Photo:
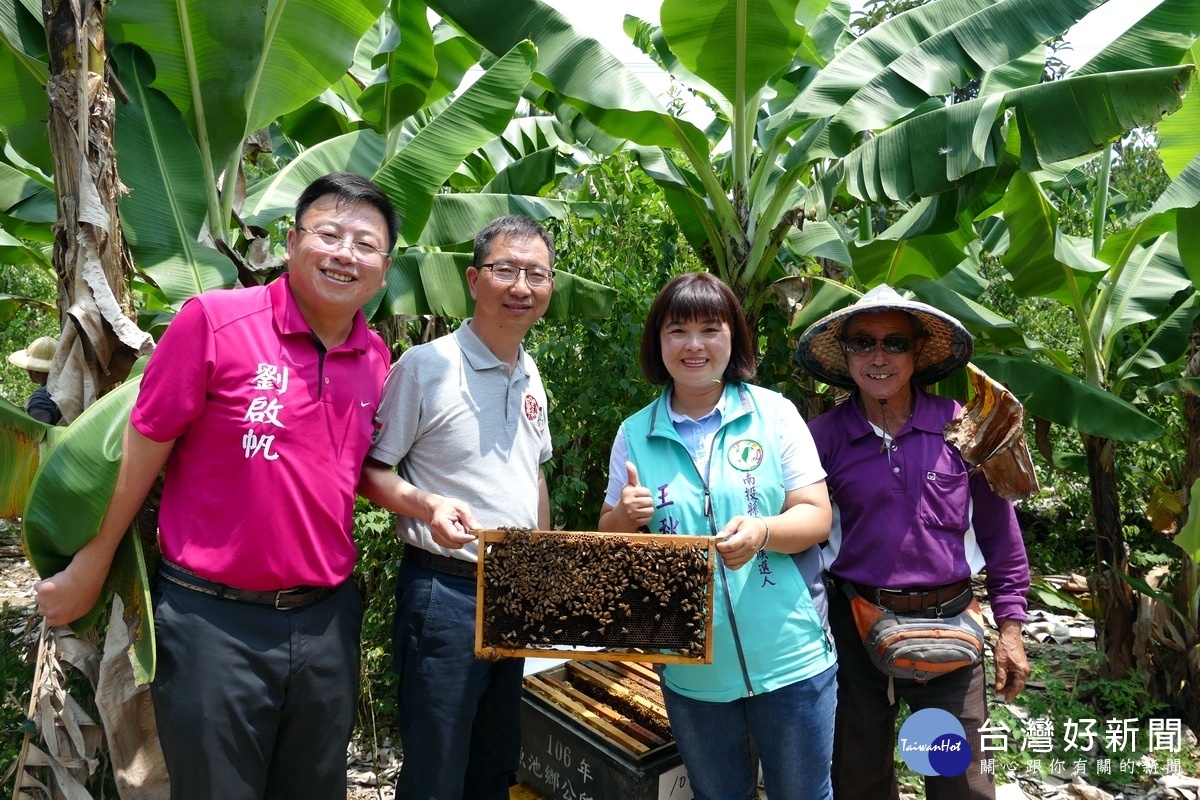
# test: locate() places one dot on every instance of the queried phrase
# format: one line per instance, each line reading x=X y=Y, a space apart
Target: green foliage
x=1064 y=687
x=16 y=681
x=1137 y=180
x=27 y=323
x=590 y=368
x=379 y=551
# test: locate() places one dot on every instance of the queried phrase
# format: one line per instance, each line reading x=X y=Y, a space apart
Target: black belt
x=903 y=600
x=283 y=599
x=439 y=563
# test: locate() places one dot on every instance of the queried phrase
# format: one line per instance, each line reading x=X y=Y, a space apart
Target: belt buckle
x=892 y=595
x=284 y=595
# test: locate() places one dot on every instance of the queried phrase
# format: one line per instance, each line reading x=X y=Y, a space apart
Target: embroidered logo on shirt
x=534 y=412
x=745 y=454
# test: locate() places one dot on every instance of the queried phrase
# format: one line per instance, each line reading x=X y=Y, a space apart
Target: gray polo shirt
x=458 y=424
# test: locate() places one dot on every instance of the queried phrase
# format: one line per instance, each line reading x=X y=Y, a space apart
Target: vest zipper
x=712 y=526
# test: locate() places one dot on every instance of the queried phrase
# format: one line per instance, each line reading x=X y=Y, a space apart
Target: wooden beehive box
x=597 y=596
x=599 y=729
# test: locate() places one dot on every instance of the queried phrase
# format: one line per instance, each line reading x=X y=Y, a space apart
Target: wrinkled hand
x=636 y=506
x=740 y=540
x=68 y=595
x=1012 y=667
x=452 y=522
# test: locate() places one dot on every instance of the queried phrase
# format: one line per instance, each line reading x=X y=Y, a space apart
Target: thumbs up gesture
x=636 y=506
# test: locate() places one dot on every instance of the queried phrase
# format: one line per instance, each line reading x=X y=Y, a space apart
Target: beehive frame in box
x=598 y=596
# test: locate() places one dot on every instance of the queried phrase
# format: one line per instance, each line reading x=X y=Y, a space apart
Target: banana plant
x=25 y=441
x=811 y=121
x=66 y=503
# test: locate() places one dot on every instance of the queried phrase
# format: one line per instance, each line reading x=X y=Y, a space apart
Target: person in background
x=464 y=418
x=35 y=360
x=911 y=525
x=715 y=455
x=261 y=403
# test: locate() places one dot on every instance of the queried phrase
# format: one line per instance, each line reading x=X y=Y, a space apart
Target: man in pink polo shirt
x=260 y=403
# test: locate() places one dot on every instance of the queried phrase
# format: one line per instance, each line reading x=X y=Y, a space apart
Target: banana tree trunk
x=1114 y=598
x=99 y=340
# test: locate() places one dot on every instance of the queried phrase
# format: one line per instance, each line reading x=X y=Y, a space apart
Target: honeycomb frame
x=595 y=596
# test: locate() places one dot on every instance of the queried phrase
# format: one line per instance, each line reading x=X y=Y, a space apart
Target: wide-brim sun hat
x=947 y=349
x=37 y=356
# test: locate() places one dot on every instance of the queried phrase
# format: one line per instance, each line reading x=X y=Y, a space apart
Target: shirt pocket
x=945 y=499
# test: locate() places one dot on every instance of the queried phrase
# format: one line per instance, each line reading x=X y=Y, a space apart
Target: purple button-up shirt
x=916 y=517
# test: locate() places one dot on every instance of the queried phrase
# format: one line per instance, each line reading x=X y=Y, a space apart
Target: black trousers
x=865 y=725
x=253 y=702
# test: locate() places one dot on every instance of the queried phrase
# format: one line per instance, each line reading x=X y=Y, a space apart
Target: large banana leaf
x=1164 y=345
x=22 y=438
x=1179 y=134
x=409 y=71
x=530 y=155
x=1043 y=261
x=428 y=160
x=456 y=218
x=1188 y=538
x=734 y=47
x=231 y=67
x=14 y=252
x=980 y=321
x=435 y=283
x=23 y=74
x=815 y=298
x=67 y=502
x=164 y=215
x=576 y=67
x=1161 y=37
x=1064 y=399
x=275 y=197
x=1145 y=289
x=819 y=239
x=927 y=242
x=897 y=66
x=934 y=151
x=24 y=196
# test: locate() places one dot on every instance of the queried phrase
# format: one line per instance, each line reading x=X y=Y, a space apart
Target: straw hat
x=37 y=356
x=947 y=349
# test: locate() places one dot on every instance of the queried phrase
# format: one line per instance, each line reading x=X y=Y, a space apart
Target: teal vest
x=776 y=635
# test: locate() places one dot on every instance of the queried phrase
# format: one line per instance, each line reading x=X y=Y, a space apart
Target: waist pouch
x=918 y=648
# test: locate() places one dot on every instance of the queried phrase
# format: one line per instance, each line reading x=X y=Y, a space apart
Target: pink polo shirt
x=270 y=437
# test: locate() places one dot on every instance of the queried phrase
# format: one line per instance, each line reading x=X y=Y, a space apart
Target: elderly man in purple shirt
x=911 y=525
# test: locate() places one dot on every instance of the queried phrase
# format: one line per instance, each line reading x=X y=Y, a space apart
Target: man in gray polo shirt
x=464 y=420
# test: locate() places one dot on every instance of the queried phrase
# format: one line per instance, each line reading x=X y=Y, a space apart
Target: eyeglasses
x=327 y=242
x=507 y=273
x=892 y=343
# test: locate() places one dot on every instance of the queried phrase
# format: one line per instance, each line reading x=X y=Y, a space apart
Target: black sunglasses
x=892 y=343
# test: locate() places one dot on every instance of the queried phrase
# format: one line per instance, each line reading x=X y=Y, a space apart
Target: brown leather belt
x=439 y=563
x=283 y=599
x=903 y=600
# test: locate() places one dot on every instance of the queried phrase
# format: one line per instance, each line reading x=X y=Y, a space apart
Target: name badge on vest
x=745 y=455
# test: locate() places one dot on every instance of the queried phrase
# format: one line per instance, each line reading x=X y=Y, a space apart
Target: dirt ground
x=372 y=769
x=16 y=588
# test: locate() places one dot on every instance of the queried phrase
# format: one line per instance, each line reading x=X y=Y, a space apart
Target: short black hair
x=697 y=296
x=349 y=187
x=517 y=226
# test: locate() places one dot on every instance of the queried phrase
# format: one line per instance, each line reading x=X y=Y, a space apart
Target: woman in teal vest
x=717 y=456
